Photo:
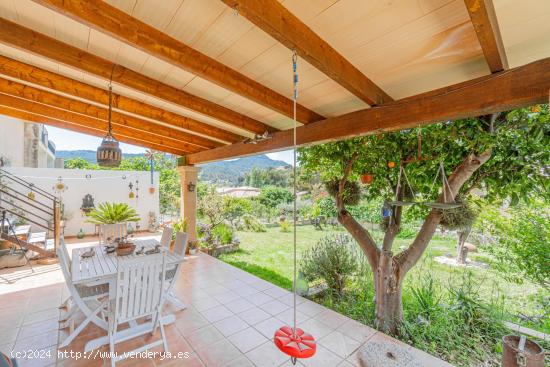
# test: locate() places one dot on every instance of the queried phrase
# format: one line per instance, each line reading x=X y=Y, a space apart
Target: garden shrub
x=250 y=223
x=224 y=232
x=285 y=226
x=330 y=260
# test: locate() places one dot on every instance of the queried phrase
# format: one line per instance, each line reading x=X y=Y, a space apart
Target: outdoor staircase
x=29 y=216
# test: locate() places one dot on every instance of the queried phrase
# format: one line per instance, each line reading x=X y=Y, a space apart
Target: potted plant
x=193 y=247
x=180 y=225
x=111 y=213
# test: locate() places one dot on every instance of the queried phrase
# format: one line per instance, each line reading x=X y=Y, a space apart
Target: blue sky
x=69 y=140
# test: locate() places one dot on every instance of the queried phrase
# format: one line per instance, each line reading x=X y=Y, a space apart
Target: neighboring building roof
x=239 y=192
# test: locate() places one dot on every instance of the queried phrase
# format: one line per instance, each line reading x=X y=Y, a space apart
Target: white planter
x=192 y=251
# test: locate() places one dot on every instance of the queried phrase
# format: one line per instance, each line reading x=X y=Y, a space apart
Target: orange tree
x=504 y=155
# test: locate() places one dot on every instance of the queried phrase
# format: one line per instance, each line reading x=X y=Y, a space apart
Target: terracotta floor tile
x=227 y=297
x=38 y=327
x=254 y=315
x=259 y=298
x=316 y=328
x=276 y=292
x=247 y=339
x=206 y=303
x=268 y=327
x=322 y=358
x=216 y=314
x=204 y=337
x=332 y=318
x=239 y=305
x=287 y=317
x=241 y=361
x=219 y=353
x=37 y=341
x=267 y=355
x=34 y=317
x=230 y=325
x=357 y=331
x=340 y=344
x=274 y=307
x=190 y=320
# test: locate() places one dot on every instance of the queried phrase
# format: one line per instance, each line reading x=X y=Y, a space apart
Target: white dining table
x=102 y=268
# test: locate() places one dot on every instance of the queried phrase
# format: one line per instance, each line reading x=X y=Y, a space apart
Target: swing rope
x=294 y=99
x=291 y=340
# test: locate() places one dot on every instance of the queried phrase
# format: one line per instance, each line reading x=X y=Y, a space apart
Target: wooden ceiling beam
x=105 y=18
x=27 y=116
x=519 y=87
x=60 y=83
x=483 y=16
x=83 y=120
x=274 y=19
x=51 y=99
x=26 y=39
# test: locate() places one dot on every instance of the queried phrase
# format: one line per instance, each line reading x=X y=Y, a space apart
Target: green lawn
x=269 y=255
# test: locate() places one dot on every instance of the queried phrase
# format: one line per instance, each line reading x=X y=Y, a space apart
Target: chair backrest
x=140 y=285
x=166 y=237
x=112 y=231
x=64 y=261
x=180 y=244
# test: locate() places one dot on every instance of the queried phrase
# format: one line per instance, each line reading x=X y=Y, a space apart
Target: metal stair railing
x=46 y=215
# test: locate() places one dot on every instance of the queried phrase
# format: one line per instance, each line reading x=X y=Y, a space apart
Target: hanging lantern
x=109 y=153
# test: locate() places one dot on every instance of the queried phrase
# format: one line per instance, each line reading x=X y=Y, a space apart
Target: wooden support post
x=188 y=210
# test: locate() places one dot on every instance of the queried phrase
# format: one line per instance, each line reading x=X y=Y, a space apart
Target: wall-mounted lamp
x=191 y=186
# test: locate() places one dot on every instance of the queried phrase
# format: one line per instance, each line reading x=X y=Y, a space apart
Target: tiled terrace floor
x=230 y=321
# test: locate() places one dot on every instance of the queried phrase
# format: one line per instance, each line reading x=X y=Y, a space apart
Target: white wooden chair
x=139 y=294
x=112 y=231
x=172 y=275
x=91 y=300
x=166 y=237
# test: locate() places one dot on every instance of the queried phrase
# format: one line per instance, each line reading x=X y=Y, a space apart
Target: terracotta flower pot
x=367 y=178
x=151 y=190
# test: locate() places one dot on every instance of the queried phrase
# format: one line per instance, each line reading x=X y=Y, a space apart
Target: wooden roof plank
x=519 y=87
x=56 y=113
x=274 y=19
x=48 y=79
x=51 y=99
x=483 y=16
x=103 y=17
x=41 y=119
x=26 y=39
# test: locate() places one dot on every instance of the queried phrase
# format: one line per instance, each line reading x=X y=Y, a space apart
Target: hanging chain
x=110 y=106
x=295 y=98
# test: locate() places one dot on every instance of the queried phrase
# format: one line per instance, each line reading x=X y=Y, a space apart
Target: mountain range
x=222 y=173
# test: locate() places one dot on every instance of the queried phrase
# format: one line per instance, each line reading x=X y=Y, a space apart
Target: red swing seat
x=296 y=345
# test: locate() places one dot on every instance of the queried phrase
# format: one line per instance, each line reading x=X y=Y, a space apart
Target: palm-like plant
x=110 y=213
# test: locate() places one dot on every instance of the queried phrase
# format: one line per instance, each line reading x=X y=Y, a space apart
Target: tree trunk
x=461 y=251
x=388 y=286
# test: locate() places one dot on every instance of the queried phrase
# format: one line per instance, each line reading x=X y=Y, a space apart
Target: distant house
x=25 y=144
x=239 y=192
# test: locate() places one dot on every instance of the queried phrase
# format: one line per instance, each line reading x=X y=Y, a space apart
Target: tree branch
x=408 y=258
x=358 y=232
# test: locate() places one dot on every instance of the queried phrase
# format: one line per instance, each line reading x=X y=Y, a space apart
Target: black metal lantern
x=109 y=153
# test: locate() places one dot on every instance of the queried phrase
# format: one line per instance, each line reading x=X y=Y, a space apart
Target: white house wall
x=11 y=141
x=103 y=185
